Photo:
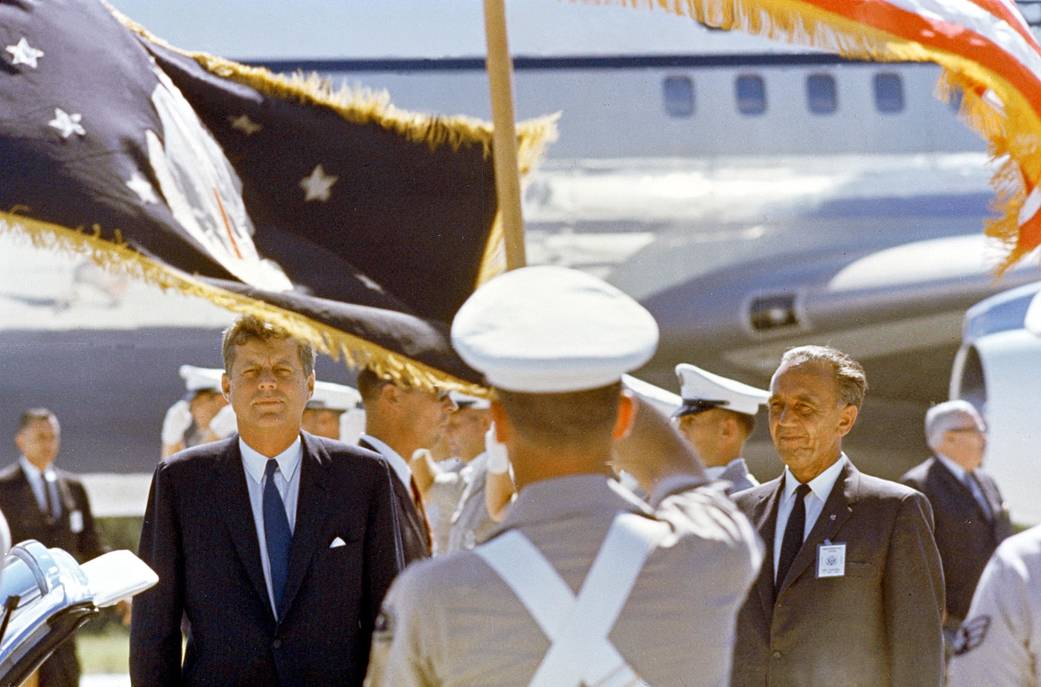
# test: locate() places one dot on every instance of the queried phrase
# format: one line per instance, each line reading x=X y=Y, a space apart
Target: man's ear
x=310 y=385
x=848 y=419
x=627 y=409
x=503 y=427
x=225 y=386
x=728 y=427
x=389 y=393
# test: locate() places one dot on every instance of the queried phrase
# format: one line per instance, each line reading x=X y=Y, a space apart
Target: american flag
x=356 y=225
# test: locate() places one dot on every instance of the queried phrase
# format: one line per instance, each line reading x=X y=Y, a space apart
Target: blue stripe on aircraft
x=521 y=63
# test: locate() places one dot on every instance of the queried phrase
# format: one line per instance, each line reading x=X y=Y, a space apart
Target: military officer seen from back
x=584 y=584
x=971 y=519
x=851 y=592
x=999 y=644
x=717 y=417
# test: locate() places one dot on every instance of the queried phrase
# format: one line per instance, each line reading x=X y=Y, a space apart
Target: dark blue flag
x=355 y=225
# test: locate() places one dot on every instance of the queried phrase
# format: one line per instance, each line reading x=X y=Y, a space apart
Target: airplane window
x=889 y=92
x=821 y=94
x=751 y=94
x=772 y=312
x=679 y=96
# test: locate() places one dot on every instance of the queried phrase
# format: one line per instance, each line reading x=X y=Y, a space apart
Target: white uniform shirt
x=287 y=481
x=999 y=644
x=820 y=489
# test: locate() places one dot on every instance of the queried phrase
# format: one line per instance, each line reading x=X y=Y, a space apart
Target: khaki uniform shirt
x=452 y=621
x=471 y=524
x=442 y=500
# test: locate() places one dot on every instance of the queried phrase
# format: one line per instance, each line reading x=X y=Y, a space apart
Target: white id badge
x=831 y=560
x=76 y=521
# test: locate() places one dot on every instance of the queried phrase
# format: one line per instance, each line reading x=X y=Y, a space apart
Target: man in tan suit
x=851 y=591
x=585 y=584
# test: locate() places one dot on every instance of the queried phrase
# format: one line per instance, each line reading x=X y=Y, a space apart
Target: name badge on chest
x=831 y=560
x=76 y=521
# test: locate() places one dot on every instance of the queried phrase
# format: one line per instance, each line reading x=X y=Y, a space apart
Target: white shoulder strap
x=578 y=628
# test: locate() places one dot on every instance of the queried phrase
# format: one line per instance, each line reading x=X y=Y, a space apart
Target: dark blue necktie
x=276 y=533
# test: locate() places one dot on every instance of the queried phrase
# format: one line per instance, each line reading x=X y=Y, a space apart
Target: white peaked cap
x=702 y=390
x=329 y=396
x=665 y=401
x=545 y=329
x=199 y=378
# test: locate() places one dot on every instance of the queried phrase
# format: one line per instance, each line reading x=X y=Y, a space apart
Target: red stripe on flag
x=1029 y=234
x=943 y=35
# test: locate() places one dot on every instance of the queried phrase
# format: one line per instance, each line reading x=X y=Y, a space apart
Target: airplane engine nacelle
x=998 y=369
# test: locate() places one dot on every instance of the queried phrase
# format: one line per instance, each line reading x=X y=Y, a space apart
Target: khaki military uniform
x=470 y=523
x=441 y=501
x=453 y=621
x=999 y=644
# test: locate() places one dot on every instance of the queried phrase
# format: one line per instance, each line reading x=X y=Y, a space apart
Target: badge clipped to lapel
x=831 y=560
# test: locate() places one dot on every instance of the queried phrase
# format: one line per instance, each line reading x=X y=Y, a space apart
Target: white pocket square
x=337 y=543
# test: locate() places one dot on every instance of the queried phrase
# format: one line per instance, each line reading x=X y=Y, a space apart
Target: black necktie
x=793 y=533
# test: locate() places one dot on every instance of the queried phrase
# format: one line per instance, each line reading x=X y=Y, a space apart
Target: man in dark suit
x=851 y=590
x=399 y=420
x=51 y=506
x=273 y=547
x=971 y=518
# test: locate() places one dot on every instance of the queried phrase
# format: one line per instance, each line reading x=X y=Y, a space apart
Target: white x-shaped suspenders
x=578 y=628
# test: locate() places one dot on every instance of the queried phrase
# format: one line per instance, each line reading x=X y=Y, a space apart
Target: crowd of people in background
x=564 y=533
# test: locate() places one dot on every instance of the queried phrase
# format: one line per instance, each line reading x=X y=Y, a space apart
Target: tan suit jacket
x=879 y=624
x=451 y=621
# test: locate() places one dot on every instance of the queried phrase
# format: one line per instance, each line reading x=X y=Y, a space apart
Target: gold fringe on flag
x=118 y=258
x=1012 y=130
x=363 y=106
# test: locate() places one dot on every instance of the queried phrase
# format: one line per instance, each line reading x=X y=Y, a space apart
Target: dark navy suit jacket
x=199 y=536
x=965 y=536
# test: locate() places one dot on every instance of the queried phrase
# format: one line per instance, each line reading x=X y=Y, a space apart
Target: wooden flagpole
x=507 y=175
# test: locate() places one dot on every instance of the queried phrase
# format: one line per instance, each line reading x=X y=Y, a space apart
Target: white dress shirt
x=37 y=479
x=397 y=463
x=287 y=481
x=820 y=489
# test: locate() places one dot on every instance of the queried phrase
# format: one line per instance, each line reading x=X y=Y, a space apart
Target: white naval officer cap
x=337 y=397
x=702 y=390
x=200 y=378
x=545 y=329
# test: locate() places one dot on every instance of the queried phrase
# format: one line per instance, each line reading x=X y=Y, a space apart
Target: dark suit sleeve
x=155 y=631
x=381 y=559
x=914 y=596
x=89 y=543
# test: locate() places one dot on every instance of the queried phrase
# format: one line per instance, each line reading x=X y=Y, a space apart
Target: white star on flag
x=67 y=124
x=144 y=190
x=317 y=185
x=24 y=53
x=244 y=124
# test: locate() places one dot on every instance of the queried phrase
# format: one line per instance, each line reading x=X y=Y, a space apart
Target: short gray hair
x=848 y=374
x=945 y=416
